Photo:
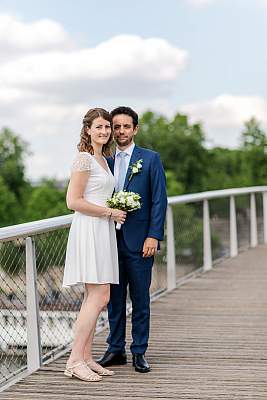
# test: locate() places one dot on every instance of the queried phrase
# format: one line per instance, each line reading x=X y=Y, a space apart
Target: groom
x=138 y=170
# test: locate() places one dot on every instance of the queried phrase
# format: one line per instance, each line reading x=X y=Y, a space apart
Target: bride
x=91 y=257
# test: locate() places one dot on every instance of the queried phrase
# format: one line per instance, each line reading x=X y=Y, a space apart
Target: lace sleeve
x=82 y=162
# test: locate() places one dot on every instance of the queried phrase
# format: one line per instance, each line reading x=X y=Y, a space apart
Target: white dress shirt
x=129 y=152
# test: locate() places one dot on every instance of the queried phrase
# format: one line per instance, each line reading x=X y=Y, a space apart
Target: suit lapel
x=111 y=163
x=136 y=155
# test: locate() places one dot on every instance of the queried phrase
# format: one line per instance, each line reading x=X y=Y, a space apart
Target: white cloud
x=124 y=62
x=228 y=110
x=18 y=37
x=10 y=95
x=47 y=83
x=223 y=117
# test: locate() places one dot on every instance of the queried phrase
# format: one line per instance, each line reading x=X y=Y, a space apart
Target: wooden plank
x=208 y=341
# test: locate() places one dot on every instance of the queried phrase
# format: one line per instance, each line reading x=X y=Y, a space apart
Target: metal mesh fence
x=13 y=332
x=57 y=307
x=159 y=275
x=220 y=228
x=259 y=208
x=188 y=237
x=243 y=221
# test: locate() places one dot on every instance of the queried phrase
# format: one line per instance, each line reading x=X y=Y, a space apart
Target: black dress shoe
x=140 y=363
x=109 y=359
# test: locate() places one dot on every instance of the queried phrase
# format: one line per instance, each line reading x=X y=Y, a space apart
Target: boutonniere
x=136 y=167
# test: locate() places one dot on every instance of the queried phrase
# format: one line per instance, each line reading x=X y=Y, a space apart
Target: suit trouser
x=135 y=271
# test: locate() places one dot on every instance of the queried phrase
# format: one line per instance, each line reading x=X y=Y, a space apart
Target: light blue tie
x=122 y=171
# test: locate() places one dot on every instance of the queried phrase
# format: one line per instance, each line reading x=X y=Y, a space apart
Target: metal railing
x=247 y=224
x=37 y=315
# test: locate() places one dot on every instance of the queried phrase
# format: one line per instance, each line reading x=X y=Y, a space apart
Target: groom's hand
x=150 y=247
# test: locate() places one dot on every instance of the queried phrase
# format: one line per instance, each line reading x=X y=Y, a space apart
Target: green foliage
x=227 y=169
x=51 y=249
x=254 y=147
x=13 y=151
x=180 y=145
x=19 y=200
x=13 y=184
x=12 y=256
x=46 y=201
x=174 y=188
x=193 y=167
x=8 y=210
x=253 y=136
x=188 y=233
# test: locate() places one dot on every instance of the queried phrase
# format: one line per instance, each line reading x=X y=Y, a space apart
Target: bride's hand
x=118 y=216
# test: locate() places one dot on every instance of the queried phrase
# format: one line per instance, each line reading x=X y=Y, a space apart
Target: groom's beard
x=124 y=142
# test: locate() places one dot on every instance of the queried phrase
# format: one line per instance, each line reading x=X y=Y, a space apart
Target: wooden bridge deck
x=208 y=341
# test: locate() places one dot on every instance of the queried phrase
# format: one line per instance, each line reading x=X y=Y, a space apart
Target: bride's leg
x=96 y=297
x=89 y=357
x=88 y=347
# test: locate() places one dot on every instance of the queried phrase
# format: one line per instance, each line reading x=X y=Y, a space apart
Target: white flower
x=136 y=167
x=131 y=202
x=128 y=201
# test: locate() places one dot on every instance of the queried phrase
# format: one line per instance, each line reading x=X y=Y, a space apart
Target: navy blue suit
x=135 y=270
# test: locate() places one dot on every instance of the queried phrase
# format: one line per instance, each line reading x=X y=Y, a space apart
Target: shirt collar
x=128 y=151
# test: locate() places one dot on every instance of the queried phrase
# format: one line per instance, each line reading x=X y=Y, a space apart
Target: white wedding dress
x=91 y=255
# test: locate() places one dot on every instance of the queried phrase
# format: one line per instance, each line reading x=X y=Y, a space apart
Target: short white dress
x=91 y=255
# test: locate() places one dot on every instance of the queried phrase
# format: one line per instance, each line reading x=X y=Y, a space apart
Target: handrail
x=49 y=224
x=35 y=227
x=214 y=194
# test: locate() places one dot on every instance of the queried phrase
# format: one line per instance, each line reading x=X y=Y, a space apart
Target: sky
x=205 y=58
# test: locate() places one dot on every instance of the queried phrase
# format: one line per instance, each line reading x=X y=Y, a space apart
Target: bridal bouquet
x=125 y=201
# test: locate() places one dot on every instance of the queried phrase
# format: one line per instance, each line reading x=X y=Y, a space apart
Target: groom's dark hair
x=126 y=110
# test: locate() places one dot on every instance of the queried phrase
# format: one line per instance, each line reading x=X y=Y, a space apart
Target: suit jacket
x=150 y=183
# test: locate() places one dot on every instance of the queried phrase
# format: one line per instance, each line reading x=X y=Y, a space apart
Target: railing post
x=233 y=228
x=264 y=200
x=207 y=257
x=253 y=221
x=34 y=358
x=171 y=264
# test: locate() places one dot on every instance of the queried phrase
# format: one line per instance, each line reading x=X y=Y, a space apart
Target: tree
x=254 y=146
x=9 y=213
x=227 y=169
x=46 y=201
x=180 y=145
x=174 y=188
x=253 y=136
x=13 y=151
